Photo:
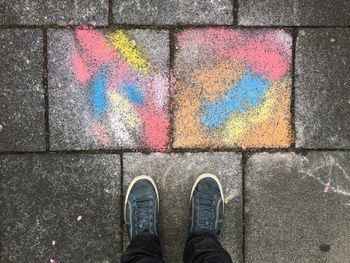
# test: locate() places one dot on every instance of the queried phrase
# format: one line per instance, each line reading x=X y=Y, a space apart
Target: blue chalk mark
x=133 y=93
x=98 y=94
x=241 y=97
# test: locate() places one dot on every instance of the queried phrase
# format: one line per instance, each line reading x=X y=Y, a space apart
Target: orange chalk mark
x=215 y=81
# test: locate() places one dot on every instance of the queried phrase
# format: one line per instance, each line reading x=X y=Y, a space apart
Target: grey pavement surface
x=322 y=87
x=174 y=175
x=61 y=207
x=22 y=111
x=146 y=12
x=59 y=12
x=289 y=214
x=294 y=13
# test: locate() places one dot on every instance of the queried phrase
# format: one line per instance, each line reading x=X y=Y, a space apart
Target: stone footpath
x=95 y=93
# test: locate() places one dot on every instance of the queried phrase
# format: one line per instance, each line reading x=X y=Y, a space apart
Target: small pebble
x=53 y=242
x=79 y=218
x=52 y=261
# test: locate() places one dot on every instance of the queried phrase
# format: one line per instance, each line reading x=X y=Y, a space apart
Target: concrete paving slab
x=39 y=12
x=108 y=90
x=322 y=96
x=22 y=113
x=60 y=207
x=174 y=175
x=232 y=88
x=170 y=12
x=297 y=207
x=294 y=13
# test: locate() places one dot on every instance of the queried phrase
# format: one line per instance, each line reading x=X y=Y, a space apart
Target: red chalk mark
x=326 y=187
x=119 y=73
x=155 y=129
x=100 y=132
x=218 y=39
x=265 y=60
x=266 y=53
x=95 y=45
x=80 y=68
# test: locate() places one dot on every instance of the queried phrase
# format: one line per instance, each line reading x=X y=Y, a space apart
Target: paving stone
x=108 y=89
x=54 y=12
x=294 y=13
x=232 y=88
x=22 y=117
x=291 y=214
x=61 y=207
x=172 y=12
x=174 y=175
x=322 y=102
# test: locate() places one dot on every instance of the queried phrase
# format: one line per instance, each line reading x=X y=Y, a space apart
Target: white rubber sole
x=134 y=181
x=214 y=177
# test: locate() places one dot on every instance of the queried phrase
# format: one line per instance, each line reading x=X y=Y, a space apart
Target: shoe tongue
x=206 y=202
x=142 y=204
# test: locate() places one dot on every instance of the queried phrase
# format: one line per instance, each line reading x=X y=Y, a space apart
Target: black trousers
x=200 y=248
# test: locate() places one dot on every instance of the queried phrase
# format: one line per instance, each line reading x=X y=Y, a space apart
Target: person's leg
x=144 y=248
x=141 y=219
x=207 y=212
x=203 y=247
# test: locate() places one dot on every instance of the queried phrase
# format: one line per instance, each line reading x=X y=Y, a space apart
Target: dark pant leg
x=144 y=248
x=202 y=247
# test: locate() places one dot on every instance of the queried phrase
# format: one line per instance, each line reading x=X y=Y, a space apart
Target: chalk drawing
x=232 y=88
x=336 y=179
x=126 y=96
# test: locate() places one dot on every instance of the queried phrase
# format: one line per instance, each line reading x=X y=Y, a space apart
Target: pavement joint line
x=167 y=27
x=243 y=167
x=292 y=102
x=110 y=12
x=46 y=87
x=235 y=8
x=122 y=198
x=181 y=151
x=172 y=50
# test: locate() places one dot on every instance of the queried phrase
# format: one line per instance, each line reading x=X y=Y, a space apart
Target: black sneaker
x=141 y=207
x=207 y=205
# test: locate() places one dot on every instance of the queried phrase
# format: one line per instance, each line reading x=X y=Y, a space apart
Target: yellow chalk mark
x=129 y=51
x=239 y=124
x=235 y=127
x=274 y=130
x=125 y=108
x=229 y=198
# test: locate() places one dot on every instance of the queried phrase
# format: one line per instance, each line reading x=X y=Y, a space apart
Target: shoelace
x=206 y=212
x=144 y=215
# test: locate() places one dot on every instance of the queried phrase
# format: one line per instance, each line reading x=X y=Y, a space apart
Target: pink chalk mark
x=265 y=60
x=52 y=260
x=215 y=38
x=1 y=127
x=101 y=133
x=265 y=53
x=119 y=74
x=326 y=187
x=80 y=68
x=95 y=45
x=159 y=94
x=155 y=129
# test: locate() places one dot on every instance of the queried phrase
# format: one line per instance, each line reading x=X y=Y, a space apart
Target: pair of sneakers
x=142 y=206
